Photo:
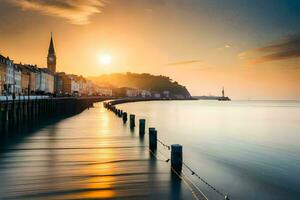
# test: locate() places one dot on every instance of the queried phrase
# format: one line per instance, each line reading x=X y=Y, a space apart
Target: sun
x=105 y=59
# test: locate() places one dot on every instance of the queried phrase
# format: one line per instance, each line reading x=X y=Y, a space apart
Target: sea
x=243 y=149
x=246 y=149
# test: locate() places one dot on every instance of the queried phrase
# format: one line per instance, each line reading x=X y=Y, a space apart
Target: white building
x=82 y=86
x=166 y=94
x=9 y=80
x=104 y=91
x=74 y=86
x=44 y=81
x=156 y=95
x=90 y=87
x=49 y=77
x=144 y=93
x=40 y=81
x=131 y=92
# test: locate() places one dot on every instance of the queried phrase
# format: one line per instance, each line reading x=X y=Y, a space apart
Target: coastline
x=132 y=100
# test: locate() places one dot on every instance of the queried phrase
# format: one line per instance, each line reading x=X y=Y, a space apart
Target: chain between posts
x=164 y=145
x=193 y=173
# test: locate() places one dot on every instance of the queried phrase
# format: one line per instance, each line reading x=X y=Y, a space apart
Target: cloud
x=75 y=11
x=284 y=49
x=224 y=47
x=184 y=62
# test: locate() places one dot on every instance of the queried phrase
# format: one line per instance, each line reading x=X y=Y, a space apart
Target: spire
x=51 y=46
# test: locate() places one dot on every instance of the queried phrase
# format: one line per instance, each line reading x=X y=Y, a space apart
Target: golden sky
x=252 y=48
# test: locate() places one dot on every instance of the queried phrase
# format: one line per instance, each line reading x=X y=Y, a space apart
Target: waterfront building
x=131 y=92
x=144 y=93
x=90 y=87
x=16 y=87
x=33 y=73
x=49 y=80
x=22 y=88
x=82 y=85
x=45 y=81
x=58 y=84
x=9 y=78
x=166 y=94
x=51 y=58
x=2 y=73
x=69 y=84
x=126 y=92
x=40 y=82
x=74 y=84
x=102 y=91
x=156 y=95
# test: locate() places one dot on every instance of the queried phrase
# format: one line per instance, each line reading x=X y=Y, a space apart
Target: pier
x=27 y=112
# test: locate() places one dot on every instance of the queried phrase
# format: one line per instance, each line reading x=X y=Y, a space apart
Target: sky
x=252 y=48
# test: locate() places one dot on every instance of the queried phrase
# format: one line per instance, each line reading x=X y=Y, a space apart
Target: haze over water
x=248 y=149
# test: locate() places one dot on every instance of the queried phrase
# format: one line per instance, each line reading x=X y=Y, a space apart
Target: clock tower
x=51 y=58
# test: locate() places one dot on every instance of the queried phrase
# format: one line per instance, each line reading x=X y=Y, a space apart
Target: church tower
x=51 y=58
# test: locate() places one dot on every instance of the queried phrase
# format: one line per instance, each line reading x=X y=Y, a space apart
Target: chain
x=164 y=145
x=205 y=182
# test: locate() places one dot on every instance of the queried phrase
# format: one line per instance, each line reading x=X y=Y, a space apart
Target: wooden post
x=124 y=117
x=120 y=113
x=176 y=157
x=18 y=113
x=142 y=123
x=36 y=109
x=1 y=119
x=24 y=111
x=33 y=110
x=5 y=119
x=29 y=111
x=132 y=120
x=152 y=139
x=13 y=114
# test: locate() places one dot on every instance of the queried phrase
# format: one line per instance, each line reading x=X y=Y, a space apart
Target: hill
x=141 y=81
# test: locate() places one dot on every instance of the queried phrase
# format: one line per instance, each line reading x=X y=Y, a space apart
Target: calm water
x=248 y=149
x=88 y=156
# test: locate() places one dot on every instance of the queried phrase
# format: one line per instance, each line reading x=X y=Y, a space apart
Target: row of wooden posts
x=176 y=149
x=26 y=113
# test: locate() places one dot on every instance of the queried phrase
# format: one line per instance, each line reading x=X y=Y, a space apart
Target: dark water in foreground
x=249 y=149
x=88 y=156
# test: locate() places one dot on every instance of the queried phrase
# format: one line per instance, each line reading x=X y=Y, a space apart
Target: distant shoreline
x=132 y=100
x=216 y=98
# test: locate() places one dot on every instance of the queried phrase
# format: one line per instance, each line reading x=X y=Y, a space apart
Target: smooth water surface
x=248 y=149
x=92 y=155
